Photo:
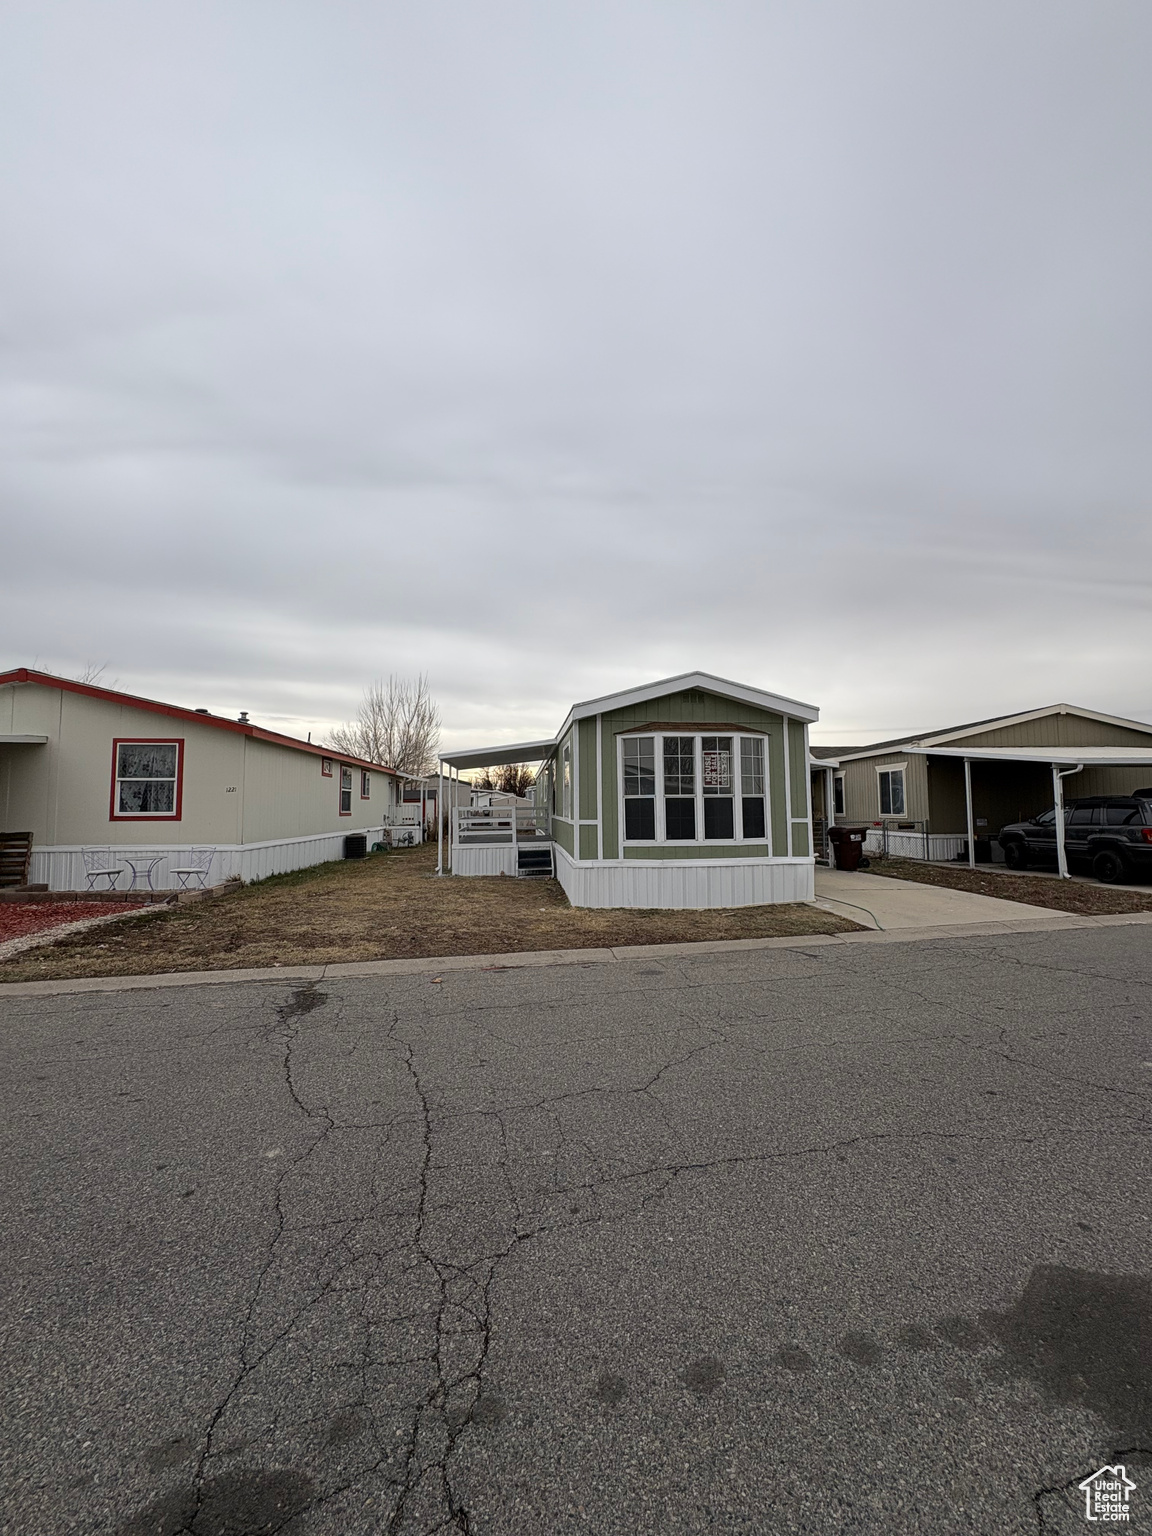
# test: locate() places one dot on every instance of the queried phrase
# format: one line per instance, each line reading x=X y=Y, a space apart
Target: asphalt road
x=855 y=1239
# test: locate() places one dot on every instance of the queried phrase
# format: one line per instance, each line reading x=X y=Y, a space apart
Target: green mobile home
x=688 y=792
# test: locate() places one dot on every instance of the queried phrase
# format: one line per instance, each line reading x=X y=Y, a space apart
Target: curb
x=528 y=959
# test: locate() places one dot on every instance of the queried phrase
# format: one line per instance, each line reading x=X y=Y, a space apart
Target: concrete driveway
x=848 y=1239
x=878 y=902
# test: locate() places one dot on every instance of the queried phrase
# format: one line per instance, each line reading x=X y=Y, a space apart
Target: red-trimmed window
x=147 y=779
x=326 y=767
x=345 y=790
x=365 y=784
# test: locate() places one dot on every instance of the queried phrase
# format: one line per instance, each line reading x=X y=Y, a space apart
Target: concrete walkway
x=878 y=902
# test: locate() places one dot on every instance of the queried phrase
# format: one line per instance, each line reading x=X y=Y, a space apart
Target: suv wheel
x=1109 y=866
x=1015 y=855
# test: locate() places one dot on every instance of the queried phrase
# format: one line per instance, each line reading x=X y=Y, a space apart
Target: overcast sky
x=553 y=348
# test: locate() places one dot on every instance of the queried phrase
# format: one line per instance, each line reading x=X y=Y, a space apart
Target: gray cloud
x=549 y=349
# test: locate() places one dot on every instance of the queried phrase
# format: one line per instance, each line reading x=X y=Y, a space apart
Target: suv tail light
x=1146 y=834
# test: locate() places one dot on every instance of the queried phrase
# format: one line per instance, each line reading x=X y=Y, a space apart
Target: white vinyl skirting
x=684 y=883
x=498 y=859
x=62 y=868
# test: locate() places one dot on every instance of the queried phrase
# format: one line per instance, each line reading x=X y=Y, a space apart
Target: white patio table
x=142 y=867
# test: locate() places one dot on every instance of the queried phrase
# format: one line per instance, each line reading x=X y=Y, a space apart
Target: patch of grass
x=390 y=906
x=1035 y=889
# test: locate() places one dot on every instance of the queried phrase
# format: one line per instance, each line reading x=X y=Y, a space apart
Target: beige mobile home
x=85 y=769
x=942 y=793
x=688 y=792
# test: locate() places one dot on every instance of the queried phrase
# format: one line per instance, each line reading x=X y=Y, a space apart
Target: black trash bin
x=356 y=845
x=847 y=845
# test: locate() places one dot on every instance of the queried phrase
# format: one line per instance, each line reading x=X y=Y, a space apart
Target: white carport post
x=829 y=813
x=968 y=809
x=453 y=780
x=1058 y=777
x=440 y=824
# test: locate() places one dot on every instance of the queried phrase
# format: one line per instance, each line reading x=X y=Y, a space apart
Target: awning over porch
x=490 y=757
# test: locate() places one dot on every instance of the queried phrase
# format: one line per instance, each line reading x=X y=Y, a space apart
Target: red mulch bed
x=18 y=918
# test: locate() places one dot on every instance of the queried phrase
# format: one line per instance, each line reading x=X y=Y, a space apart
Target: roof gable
x=179 y=712
x=1006 y=722
x=705 y=682
x=977 y=730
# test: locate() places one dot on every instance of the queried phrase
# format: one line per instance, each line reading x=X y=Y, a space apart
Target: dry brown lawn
x=390 y=906
x=1043 y=890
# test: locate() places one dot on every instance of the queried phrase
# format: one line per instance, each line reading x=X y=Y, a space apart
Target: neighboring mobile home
x=919 y=793
x=83 y=767
x=688 y=792
x=419 y=797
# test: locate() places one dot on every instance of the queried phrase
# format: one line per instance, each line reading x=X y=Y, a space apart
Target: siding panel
x=587 y=740
x=1057 y=731
x=683 y=884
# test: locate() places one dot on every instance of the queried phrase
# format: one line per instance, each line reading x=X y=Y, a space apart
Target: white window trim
x=902 y=769
x=661 y=840
x=841 y=809
x=566 y=807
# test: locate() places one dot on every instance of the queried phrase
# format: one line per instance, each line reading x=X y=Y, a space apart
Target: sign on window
x=718 y=770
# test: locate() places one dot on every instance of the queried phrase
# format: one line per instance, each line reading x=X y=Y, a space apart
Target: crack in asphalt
x=418 y=1473
x=303 y=1001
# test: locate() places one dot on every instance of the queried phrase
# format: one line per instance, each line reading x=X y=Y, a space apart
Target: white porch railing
x=493 y=826
x=482 y=826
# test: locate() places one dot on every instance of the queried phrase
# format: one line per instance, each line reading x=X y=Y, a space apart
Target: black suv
x=1110 y=833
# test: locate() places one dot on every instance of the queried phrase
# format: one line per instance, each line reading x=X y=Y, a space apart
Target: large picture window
x=891 y=791
x=752 y=785
x=639 y=789
x=693 y=789
x=146 y=780
x=680 y=789
x=716 y=785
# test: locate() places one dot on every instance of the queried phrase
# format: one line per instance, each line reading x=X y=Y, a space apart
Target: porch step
x=534 y=863
x=15 y=857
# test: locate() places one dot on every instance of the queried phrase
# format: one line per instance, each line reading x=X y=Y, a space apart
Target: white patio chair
x=97 y=863
x=199 y=862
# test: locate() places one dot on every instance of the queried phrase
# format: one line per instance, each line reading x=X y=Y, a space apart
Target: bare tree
x=93 y=672
x=515 y=779
x=508 y=779
x=397 y=724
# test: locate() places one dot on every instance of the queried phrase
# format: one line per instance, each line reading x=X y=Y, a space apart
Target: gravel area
x=18 y=919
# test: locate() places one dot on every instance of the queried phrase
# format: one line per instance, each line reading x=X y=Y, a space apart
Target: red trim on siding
x=178 y=712
x=159 y=741
x=326 y=772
